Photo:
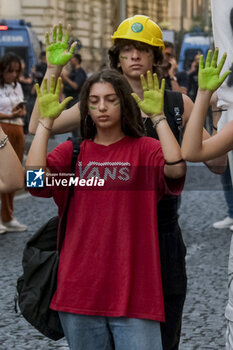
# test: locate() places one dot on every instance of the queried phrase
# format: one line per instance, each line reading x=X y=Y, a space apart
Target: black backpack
x=37 y=285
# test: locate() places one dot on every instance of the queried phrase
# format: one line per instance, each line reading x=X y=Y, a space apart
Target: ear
x=118 y=65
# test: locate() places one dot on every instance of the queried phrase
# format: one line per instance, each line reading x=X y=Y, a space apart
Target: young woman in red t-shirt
x=109 y=292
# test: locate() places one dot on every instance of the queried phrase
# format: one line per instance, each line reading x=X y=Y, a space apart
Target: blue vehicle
x=193 y=43
x=17 y=36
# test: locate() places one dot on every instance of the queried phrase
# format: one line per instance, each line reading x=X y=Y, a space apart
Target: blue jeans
x=228 y=190
x=107 y=333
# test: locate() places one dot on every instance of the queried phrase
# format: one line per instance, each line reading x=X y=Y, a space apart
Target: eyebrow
x=104 y=95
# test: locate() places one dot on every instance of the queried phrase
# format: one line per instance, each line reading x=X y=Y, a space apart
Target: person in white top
x=12 y=112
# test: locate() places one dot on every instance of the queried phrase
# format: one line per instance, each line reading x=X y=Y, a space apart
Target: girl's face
x=11 y=74
x=104 y=106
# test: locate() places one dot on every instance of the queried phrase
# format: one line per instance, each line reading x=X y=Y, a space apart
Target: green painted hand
x=208 y=74
x=48 y=100
x=153 y=95
x=58 y=52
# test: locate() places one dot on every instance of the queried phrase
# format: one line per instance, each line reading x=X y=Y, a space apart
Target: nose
x=102 y=104
x=135 y=54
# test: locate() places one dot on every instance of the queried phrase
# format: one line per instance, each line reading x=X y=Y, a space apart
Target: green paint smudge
x=124 y=57
x=117 y=103
x=91 y=107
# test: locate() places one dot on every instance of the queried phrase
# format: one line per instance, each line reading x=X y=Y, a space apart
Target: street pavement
x=207 y=258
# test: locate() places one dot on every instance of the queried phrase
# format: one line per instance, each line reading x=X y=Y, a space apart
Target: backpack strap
x=175 y=103
x=62 y=222
x=76 y=150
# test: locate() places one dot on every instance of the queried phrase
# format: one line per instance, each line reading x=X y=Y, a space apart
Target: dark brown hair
x=131 y=120
x=5 y=65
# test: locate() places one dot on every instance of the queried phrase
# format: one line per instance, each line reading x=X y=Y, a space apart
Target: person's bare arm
x=194 y=148
x=152 y=105
x=218 y=164
x=11 y=170
x=49 y=109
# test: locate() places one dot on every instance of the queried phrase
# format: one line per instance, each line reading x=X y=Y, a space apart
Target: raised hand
x=153 y=102
x=209 y=74
x=58 y=52
x=48 y=100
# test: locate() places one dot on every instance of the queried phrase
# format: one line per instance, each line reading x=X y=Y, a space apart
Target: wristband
x=158 y=121
x=219 y=110
x=3 y=141
x=176 y=162
x=46 y=127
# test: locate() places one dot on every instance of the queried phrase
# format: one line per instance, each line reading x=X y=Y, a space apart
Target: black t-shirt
x=78 y=76
x=40 y=72
x=193 y=85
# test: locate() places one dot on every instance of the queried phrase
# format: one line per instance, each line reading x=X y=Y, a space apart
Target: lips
x=135 y=66
x=103 y=117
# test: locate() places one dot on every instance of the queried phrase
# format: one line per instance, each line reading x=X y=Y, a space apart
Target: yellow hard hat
x=140 y=28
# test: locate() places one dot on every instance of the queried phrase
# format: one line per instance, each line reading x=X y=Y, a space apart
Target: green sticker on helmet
x=137 y=27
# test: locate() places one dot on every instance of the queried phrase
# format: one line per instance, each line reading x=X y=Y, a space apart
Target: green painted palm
x=58 y=52
x=208 y=74
x=153 y=102
x=48 y=99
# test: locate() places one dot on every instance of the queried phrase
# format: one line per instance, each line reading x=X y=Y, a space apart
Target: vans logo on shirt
x=106 y=170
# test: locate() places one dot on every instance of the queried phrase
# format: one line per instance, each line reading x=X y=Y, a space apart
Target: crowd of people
x=129 y=290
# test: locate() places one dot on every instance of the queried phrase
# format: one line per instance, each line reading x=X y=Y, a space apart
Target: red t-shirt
x=109 y=262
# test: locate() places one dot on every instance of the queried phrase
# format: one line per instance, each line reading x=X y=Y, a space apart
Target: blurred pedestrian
x=40 y=68
x=73 y=80
x=26 y=80
x=226 y=180
x=193 y=77
x=12 y=113
x=175 y=80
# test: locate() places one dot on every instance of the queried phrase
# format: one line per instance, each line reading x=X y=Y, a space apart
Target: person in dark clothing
x=128 y=56
x=26 y=80
x=73 y=81
x=175 y=80
x=41 y=68
x=193 y=77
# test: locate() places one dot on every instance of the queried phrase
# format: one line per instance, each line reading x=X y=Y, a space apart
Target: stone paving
x=207 y=259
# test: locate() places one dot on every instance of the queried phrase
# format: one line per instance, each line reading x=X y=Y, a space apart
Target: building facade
x=94 y=21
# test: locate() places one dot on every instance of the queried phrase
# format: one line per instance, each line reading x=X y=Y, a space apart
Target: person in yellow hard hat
x=137 y=48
